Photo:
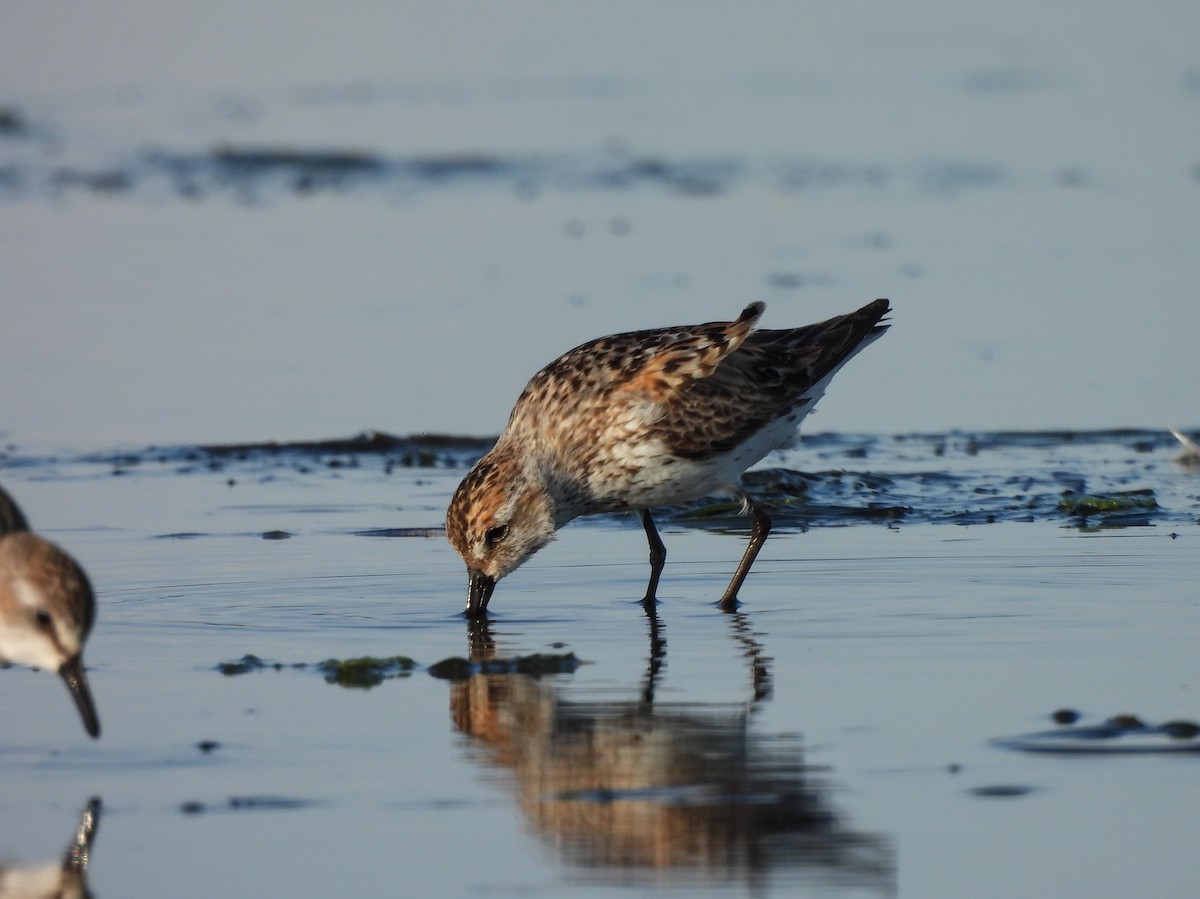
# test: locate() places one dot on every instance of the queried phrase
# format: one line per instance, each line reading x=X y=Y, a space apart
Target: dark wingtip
x=754 y=310
x=874 y=312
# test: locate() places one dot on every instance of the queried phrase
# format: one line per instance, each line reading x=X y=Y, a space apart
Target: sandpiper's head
x=46 y=613
x=500 y=515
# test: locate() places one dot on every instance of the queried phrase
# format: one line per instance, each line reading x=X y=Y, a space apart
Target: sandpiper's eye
x=495 y=534
x=43 y=619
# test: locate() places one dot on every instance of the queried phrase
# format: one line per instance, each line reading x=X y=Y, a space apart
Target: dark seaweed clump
x=413 y=451
x=535 y=665
x=366 y=672
x=244 y=665
x=1123 y=734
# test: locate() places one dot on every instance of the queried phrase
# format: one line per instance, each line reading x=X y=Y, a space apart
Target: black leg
x=760 y=526
x=658 y=558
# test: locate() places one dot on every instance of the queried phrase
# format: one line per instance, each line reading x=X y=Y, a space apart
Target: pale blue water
x=836 y=737
x=233 y=225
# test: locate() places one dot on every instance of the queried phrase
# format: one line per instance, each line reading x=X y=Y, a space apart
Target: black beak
x=72 y=674
x=479 y=591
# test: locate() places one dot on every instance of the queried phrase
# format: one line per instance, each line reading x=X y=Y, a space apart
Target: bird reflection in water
x=63 y=879
x=640 y=789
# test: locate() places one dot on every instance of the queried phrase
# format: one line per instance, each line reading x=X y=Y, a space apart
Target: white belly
x=644 y=475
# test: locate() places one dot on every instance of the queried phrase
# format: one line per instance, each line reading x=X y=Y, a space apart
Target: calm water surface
x=833 y=738
x=282 y=220
x=317 y=220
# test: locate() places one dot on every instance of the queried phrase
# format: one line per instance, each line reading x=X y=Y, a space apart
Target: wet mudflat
x=876 y=719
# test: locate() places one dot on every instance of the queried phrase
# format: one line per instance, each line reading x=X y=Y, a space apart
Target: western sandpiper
x=644 y=419
x=46 y=608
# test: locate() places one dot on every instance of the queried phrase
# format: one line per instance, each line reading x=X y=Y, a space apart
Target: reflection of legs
x=760 y=663
x=658 y=655
x=480 y=645
x=760 y=526
x=658 y=557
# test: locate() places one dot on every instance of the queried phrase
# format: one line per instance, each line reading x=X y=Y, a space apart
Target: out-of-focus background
x=234 y=221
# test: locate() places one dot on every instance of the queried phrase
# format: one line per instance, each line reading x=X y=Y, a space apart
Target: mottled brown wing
x=765 y=379
x=659 y=363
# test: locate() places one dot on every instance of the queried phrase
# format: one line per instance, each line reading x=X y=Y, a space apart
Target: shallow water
x=836 y=736
x=244 y=222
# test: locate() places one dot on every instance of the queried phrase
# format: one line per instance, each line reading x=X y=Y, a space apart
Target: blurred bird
x=46 y=608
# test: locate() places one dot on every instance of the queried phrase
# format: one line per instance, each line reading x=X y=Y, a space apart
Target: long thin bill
x=479 y=591
x=72 y=674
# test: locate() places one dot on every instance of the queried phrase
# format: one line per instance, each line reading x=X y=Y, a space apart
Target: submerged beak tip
x=479 y=592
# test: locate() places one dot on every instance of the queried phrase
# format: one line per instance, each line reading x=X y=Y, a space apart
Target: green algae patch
x=365 y=672
x=1122 y=502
